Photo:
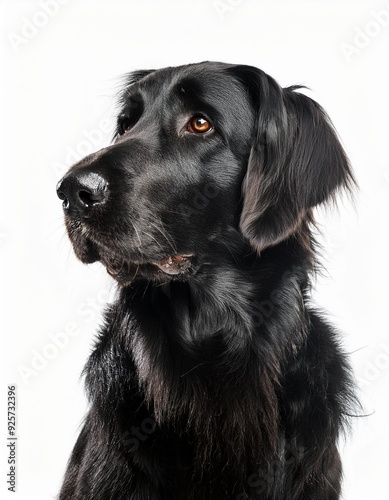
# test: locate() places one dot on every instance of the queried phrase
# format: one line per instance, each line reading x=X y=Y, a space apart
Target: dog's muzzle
x=83 y=195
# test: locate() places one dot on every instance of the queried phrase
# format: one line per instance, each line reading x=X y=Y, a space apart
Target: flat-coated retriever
x=213 y=377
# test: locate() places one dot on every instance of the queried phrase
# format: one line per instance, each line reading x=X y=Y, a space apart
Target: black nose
x=81 y=192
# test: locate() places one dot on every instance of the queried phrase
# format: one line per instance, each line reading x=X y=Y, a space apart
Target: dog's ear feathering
x=296 y=161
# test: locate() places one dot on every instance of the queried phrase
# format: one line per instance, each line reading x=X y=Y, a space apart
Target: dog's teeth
x=174 y=264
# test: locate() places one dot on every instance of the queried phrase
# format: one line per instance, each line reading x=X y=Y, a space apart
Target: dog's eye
x=199 y=125
x=124 y=125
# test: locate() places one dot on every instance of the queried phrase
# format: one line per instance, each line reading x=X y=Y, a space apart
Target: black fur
x=212 y=378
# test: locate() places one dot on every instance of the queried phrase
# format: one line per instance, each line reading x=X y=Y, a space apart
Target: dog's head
x=201 y=152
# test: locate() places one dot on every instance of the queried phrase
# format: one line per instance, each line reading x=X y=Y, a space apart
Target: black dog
x=212 y=378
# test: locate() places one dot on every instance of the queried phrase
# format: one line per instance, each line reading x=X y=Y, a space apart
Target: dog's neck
x=174 y=340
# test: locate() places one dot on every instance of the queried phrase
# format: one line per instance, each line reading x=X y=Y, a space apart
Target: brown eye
x=124 y=125
x=199 y=125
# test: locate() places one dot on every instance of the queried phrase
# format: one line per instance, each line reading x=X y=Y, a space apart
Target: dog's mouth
x=124 y=272
x=174 y=264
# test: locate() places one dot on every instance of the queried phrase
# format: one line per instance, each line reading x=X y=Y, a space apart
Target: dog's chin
x=125 y=271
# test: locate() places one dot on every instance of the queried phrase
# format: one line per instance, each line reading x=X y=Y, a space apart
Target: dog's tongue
x=174 y=264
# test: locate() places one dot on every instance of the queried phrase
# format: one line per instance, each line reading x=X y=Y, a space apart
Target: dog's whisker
x=166 y=236
x=137 y=235
x=152 y=237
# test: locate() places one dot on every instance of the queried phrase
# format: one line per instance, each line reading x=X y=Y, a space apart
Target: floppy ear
x=296 y=161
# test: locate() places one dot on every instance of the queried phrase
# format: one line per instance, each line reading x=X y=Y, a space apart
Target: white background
x=59 y=76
